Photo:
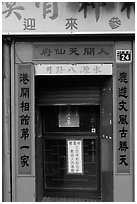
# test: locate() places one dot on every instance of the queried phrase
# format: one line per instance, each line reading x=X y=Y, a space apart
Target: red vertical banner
x=123 y=118
x=24 y=87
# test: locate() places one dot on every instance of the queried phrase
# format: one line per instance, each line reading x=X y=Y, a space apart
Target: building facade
x=68 y=101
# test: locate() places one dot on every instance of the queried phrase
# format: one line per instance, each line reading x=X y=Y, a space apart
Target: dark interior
x=69 y=109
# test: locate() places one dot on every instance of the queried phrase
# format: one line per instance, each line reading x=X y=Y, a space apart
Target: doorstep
x=57 y=199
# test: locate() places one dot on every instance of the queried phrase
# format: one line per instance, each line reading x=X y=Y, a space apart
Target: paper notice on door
x=74 y=157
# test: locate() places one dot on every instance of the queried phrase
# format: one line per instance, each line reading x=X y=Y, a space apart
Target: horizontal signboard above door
x=97 y=51
x=73 y=69
x=68 y=17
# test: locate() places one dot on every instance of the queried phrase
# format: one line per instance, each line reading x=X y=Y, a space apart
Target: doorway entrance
x=68 y=146
x=71 y=150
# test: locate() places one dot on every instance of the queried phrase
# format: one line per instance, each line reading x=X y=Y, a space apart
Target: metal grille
x=55 y=164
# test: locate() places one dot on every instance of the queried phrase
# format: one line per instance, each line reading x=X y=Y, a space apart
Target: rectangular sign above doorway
x=97 y=51
x=73 y=69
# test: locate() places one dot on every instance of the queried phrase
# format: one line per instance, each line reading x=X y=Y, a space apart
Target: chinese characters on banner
x=51 y=51
x=24 y=118
x=68 y=117
x=73 y=69
x=123 y=120
x=74 y=154
x=60 y=17
x=71 y=23
x=49 y=10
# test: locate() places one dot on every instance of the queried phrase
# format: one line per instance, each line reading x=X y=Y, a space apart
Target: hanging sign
x=73 y=69
x=74 y=157
x=123 y=119
x=24 y=118
x=68 y=116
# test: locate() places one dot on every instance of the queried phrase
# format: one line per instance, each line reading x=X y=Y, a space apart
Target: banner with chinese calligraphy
x=24 y=116
x=123 y=119
x=73 y=51
x=67 y=17
x=73 y=69
x=68 y=116
x=74 y=157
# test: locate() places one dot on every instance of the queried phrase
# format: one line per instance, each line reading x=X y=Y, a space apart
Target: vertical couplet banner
x=123 y=118
x=23 y=108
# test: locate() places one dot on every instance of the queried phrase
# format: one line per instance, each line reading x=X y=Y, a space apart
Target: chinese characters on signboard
x=24 y=119
x=73 y=69
x=51 y=51
x=123 y=121
x=74 y=154
x=71 y=23
x=49 y=10
x=68 y=117
x=58 y=17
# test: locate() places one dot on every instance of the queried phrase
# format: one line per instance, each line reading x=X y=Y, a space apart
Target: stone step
x=63 y=199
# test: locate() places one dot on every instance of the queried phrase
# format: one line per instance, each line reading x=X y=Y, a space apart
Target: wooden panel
x=24 y=87
x=39 y=158
x=123 y=119
x=6 y=123
x=106 y=141
x=25 y=179
x=65 y=52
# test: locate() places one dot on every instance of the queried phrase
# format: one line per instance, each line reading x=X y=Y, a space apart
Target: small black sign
x=123 y=56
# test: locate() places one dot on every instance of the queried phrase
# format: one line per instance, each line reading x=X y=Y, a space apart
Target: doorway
x=68 y=142
x=70 y=132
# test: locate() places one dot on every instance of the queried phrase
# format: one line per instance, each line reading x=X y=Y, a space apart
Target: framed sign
x=123 y=56
x=73 y=69
x=123 y=119
x=73 y=51
x=24 y=118
x=68 y=117
x=74 y=157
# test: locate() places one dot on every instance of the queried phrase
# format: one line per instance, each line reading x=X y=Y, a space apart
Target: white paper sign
x=74 y=148
x=73 y=69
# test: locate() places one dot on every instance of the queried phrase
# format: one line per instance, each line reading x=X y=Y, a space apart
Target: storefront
x=68 y=101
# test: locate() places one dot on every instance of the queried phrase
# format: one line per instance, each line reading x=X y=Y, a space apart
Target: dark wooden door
x=58 y=181
x=39 y=157
x=106 y=124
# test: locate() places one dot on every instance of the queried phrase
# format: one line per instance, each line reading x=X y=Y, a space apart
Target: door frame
x=101 y=181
